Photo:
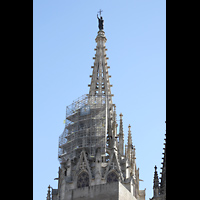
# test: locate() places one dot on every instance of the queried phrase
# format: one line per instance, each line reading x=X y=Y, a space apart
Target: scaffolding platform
x=85 y=127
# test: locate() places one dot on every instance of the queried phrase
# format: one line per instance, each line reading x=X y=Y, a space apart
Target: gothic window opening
x=112 y=177
x=83 y=180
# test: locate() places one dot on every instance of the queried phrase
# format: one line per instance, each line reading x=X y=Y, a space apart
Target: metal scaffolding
x=85 y=127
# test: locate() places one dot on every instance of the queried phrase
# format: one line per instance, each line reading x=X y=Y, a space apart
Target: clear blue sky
x=63 y=46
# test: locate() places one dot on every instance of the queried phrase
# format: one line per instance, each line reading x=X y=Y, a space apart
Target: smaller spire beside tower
x=155 y=182
x=129 y=143
x=129 y=135
x=49 y=193
x=121 y=136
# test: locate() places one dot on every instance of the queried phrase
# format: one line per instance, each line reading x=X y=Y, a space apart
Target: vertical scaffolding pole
x=106 y=121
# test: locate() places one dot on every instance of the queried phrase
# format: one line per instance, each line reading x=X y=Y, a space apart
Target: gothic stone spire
x=88 y=150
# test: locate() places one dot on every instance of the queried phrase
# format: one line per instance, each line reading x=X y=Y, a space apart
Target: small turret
x=133 y=163
x=129 y=143
x=49 y=193
x=155 y=183
x=121 y=136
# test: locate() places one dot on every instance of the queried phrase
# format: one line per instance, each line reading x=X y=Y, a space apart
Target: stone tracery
x=83 y=180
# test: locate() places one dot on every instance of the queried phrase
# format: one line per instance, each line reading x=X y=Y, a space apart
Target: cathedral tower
x=93 y=163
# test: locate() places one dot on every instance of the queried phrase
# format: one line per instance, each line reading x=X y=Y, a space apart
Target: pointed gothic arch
x=112 y=177
x=83 y=179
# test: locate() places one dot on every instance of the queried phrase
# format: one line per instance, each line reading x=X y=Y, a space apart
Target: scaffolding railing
x=85 y=127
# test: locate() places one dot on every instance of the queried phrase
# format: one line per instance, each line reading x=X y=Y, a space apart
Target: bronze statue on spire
x=100 y=20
